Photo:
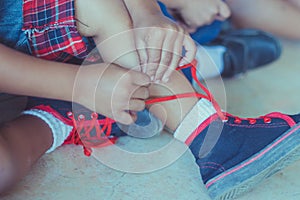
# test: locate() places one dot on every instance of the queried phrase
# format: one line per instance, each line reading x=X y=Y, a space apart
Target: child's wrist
x=86 y=83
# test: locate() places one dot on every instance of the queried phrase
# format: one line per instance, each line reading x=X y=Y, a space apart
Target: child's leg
x=276 y=16
x=22 y=142
x=178 y=84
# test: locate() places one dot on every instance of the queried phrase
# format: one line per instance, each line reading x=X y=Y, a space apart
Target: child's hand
x=158 y=40
x=111 y=91
x=159 y=43
x=195 y=13
x=156 y=51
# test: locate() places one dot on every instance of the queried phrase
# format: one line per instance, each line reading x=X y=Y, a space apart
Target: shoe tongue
x=198 y=114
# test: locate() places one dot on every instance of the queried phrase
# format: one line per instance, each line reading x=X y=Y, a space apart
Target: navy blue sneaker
x=247 y=49
x=89 y=129
x=234 y=154
x=245 y=151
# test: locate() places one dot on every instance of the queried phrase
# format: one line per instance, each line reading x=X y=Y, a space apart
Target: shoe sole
x=239 y=63
x=245 y=176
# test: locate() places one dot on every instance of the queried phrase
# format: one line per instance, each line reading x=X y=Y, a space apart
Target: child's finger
x=154 y=43
x=177 y=53
x=154 y=57
x=149 y=59
x=133 y=115
x=166 y=58
x=167 y=54
x=190 y=50
x=186 y=28
x=224 y=10
x=143 y=56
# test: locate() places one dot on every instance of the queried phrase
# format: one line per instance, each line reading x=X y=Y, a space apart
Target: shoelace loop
x=81 y=133
x=207 y=95
x=223 y=115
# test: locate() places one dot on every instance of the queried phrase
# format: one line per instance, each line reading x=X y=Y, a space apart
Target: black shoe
x=247 y=49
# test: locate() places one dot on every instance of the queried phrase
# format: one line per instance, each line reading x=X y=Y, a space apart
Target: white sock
x=210 y=61
x=198 y=114
x=60 y=131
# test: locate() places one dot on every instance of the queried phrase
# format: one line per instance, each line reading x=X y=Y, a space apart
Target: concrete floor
x=68 y=174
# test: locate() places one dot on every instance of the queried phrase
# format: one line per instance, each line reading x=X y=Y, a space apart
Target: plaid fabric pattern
x=51 y=29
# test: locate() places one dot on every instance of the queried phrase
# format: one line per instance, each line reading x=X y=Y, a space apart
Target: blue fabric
x=208 y=33
x=204 y=34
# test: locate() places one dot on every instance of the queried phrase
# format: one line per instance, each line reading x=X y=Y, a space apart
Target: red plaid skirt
x=51 y=29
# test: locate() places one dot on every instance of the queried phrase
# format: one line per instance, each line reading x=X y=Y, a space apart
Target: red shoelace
x=207 y=95
x=81 y=133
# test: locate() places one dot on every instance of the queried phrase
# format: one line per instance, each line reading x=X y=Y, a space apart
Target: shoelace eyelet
x=238 y=121
x=267 y=120
x=69 y=114
x=81 y=117
x=252 y=121
x=94 y=115
x=225 y=119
